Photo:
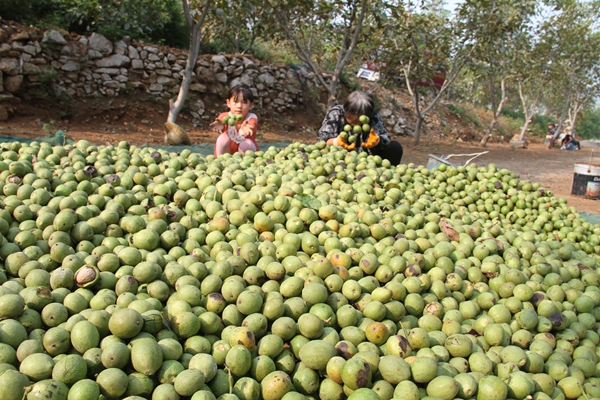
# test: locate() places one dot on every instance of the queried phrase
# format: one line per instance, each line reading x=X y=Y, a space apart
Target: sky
x=451 y=4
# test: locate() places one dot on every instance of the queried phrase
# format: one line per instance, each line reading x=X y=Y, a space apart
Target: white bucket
x=593 y=190
x=586 y=180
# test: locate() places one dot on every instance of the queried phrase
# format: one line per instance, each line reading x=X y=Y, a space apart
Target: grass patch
x=466 y=113
x=509 y=126
x=509 y=122
x=350 y=81
x=270 y=52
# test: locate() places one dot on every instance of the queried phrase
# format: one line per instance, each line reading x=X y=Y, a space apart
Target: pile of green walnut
x=351 y=131
x=304 y=273
x=231 y=120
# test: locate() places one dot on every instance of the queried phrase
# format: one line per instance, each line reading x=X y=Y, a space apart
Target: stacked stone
x=36 y=64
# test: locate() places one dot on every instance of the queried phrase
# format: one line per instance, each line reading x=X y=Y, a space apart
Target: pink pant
x=225 y=145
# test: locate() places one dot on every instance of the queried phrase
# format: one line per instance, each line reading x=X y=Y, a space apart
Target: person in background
x=550 y=135
x=375 y=142
x=570 y=143
x=241 y=136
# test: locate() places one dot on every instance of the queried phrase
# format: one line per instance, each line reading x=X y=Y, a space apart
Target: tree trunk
x=249 y=46
x=420 y=116
x=493 y=92
x=529 y=111
x=194 y=26
x=579 y=103
x=177 y=105
x=237 y=43
x=332 y=91
x=490 y=128
x=573 y=125
x=418 y=126
x=573 y=115
x=492 y=125
x=563 y=114
x=344 y=55
x=414 y=93
x=524 y=128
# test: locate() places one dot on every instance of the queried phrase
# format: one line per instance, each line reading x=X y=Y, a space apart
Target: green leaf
x=309 y=201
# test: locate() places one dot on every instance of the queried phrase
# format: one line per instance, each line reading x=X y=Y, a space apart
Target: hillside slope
x=141 y=117
x=135 y=106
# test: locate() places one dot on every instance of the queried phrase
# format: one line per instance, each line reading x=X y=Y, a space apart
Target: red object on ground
x=437 y=81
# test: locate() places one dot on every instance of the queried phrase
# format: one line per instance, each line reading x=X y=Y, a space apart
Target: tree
x=585 y=86
x=588 y=126
x=317 y=28
x=140 y=19
x=194 y=18
x=423 y=46
x=156 y=21
x=538 y=50
x=240 y=22
x=576 y=70
x=29 y=12
x=497 y=26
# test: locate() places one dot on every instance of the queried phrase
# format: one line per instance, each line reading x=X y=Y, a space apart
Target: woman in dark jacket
x=376 y=142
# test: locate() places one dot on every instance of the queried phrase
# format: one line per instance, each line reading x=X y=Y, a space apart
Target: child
x=358 y=104
x=241 y=136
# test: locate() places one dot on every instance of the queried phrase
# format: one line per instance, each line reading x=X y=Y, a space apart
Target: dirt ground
x=140 y=123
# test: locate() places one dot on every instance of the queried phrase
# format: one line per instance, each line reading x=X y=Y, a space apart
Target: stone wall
x=36 y=64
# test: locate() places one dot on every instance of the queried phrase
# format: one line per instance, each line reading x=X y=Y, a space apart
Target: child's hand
x=217 y=126
x=246 y=129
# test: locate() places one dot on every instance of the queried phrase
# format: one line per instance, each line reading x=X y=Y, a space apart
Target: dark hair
x=359 y=103
x=242 y=90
